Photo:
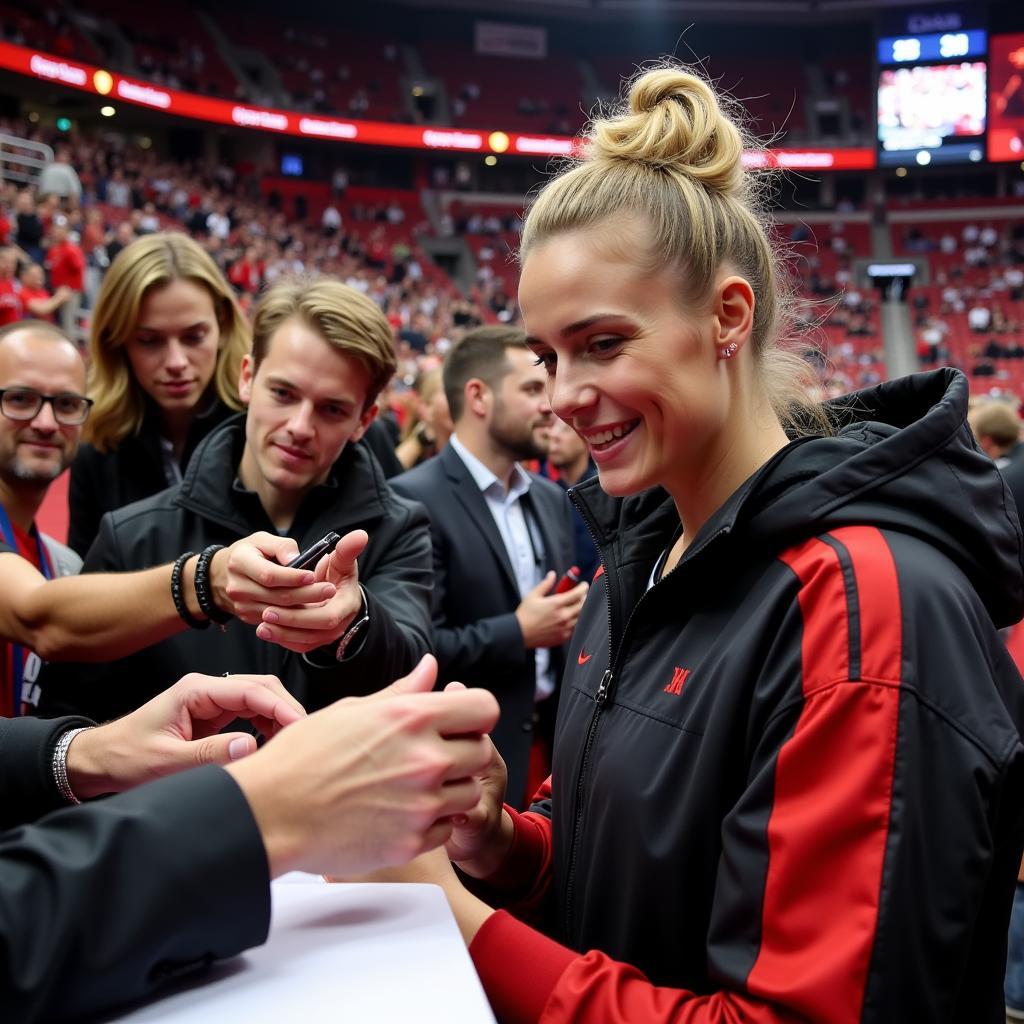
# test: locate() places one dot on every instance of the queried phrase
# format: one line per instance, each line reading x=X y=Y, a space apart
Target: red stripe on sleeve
x=826 y=642
x=878 y=592
x=830 y=815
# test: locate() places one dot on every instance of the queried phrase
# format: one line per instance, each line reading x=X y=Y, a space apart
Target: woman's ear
x=733 y=314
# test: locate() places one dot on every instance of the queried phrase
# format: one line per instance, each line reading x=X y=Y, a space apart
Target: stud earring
x=728 y=351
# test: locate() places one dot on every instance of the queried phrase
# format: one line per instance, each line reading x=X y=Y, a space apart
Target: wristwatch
x=356 y=629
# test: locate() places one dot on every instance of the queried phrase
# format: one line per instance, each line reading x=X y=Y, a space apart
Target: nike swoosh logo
x=583 y=657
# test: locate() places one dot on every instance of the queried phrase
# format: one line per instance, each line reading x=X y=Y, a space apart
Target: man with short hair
x=996 y=427
x=289 y=467
x=502 y=537
x=42 y=409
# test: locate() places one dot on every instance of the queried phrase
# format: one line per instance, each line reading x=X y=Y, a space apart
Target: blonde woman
x=788 y=771
x=166 y=343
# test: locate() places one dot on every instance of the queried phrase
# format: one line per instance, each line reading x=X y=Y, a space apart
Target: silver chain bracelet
x=60 y=764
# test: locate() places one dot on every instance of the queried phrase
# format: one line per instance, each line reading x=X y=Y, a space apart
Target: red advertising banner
x=114 y=86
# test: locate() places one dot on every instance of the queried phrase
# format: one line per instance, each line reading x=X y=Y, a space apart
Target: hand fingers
x=454 y=686
x=437 y=835
x=342 y=565
x=470 y=755
x=543 y=588
x=324 y=615
x=462 y=713
x=420 y=680
x=248 y=562
x=459 y=797
x=209 y=697
x=255 y=599
x=273 y=546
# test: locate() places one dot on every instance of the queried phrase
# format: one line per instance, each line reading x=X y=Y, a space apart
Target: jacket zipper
x=600 y=700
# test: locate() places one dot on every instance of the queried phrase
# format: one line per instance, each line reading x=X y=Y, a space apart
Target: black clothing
x=103 y=481
x=210 y=507
x=100 y=904
x=477 y=635
x=809 y=729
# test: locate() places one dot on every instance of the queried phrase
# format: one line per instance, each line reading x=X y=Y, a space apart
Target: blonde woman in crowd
x=166 y=346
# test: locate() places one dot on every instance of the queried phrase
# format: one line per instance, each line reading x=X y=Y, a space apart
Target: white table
x=338 y=953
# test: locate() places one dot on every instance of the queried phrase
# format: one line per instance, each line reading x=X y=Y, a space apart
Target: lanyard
x=19 y=653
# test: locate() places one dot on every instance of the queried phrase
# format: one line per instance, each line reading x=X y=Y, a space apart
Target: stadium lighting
x=108 y=111
x=491 y=160
x=924 y=158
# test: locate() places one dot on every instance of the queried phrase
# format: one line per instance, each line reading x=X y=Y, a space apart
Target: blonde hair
x=345 y=318
x=672 y=154
x=153 y=261
x=996 y=420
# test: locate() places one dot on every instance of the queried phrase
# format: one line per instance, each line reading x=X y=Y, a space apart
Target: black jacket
x=476 y=633
x=789 y=777
x=210 y=507
x=100 y=904
x=104 y=481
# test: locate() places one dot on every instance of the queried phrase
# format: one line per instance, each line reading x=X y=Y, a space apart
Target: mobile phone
x=308 y=558
x=569 y=580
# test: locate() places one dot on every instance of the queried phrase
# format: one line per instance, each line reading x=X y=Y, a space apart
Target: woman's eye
x=281 y=394
x=547 y=360
x=600 y=345
x=196 y=338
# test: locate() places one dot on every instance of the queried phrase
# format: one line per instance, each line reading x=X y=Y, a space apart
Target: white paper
x=338 y=953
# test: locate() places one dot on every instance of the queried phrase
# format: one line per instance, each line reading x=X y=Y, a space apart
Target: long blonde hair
x=152 y=262
x=672 y=154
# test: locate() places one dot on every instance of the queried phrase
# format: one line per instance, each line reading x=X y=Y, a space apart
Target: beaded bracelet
x=203 y=595
x=59 y=764
x=179 y=599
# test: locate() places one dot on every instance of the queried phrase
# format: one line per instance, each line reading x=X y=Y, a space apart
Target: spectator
x=979 y=318
x=28 y=233
x=42 y=409
x=66 y=262
x=996 y=428
x=166 y=346
x=36 y=301
x=59 y=177
x=11 y=309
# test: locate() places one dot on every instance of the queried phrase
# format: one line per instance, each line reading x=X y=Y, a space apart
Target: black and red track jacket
x=789 y=778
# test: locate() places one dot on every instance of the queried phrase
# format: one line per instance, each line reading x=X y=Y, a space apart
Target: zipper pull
x=602 y=690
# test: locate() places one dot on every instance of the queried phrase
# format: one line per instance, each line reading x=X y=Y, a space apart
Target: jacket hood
x=902 y=458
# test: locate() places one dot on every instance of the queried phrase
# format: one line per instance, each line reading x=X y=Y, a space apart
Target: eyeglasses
x=24 y=404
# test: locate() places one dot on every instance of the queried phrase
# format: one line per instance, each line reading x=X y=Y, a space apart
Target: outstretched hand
x=179 y=729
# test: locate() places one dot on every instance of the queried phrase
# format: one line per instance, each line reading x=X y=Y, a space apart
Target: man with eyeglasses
x=43 y=406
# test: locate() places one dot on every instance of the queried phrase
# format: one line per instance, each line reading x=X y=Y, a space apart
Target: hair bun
x=672 y=120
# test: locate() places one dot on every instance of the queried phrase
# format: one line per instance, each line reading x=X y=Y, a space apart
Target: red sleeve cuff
x=527 y=857
x=517 y=996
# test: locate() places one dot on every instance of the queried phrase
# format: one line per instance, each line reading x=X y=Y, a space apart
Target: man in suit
x=502 y=538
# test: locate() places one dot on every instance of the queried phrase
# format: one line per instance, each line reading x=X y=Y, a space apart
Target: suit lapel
x=468 y=495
